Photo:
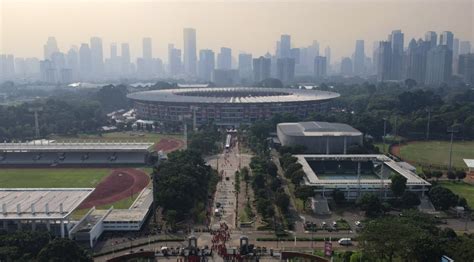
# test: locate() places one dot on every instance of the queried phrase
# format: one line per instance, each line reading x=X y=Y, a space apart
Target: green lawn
x=380 y=146
x=437 y=152
x=49 y=177
x=460 y=188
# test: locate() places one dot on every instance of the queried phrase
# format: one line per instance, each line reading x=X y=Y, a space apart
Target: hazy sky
x=250 y=26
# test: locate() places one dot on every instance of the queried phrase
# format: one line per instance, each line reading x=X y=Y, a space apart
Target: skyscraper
x=224 y=59
x=447 y=39
x=245 y=66
x=85 y=61
x=464 y=47
x=416 y=58
x=346 y=66
x=396 y=39
x=189 y=51
x=97 y=57
x=327 y=54
x=261 y=68
x=286 y=70
x=432 y=38
x=384 y=63
x=125 y=57
x=456 y=47
x=466 y=68
x=206 y=64
x=7 y=67
x=320 y=67
x=359 y=58
x=147 y=48
x=174 y=60
x=285 y=46
x=50 y=47
x=439 y=66
x=72 y=62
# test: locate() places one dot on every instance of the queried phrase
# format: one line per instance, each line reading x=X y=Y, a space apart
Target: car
x=358 y=223
x=323 y=224
x=334 y=223
x=345 y=241
x=218 y=204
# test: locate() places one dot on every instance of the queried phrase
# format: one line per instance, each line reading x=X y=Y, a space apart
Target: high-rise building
x=396 y=39
x=72 y=62
x=113 y=51
x=206 y=64
x=48 y=72
x=464 y=47
x=224 y=59
x=466 y=68
x=456 y=47
x=125 y=57
x=286 y=70
x=85 y=62
x=359 y=58
x=327 y=54
x=245 y=66
x=447 y=38
x=97 y=56
x=147 y=48
x=320 y=67
x=346 y=66
x=174 y=60
x=189 y=51
x=415 y=61
x=7 y=67
x=284 y=46
x=439 y=65
x=384 y=61
x=225 y=77
x=261 y=68
x=50 y=47
x=432 y=38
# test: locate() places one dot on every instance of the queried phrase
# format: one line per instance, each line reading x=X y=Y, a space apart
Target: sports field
x=460 y=188
x=48 y=177
x=436 y=152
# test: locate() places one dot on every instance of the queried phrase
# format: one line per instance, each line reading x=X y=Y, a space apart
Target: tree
x=437 y=174
x=171 y=217
x=398 y=185
x=270 y=82
x=410 y=83
x=272 y=169
x=63 y=249
x=291 y=168
x=410 y=199
x=370 y=203
x=282 y=201
x=451 y=175
x=460 y=174
x=338 y=196
x=442 y=198
x=303 y=193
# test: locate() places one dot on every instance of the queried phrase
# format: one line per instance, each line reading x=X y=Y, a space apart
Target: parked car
x=345 y=241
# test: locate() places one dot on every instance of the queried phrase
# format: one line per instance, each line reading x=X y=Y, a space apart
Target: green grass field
x=437 y=152
x=119 y=136
x=46 y=177
x=460 y=188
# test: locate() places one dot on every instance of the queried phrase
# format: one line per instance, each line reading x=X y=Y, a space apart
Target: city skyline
x=234 y=34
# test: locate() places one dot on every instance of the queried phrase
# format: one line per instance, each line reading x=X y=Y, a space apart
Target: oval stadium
x=228 y=106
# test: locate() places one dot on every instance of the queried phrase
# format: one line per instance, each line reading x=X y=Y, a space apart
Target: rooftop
x=73 y=146
x=469 y=163
x=40 y=203
x=248 y=95
x=312 y=177
x=318 y=129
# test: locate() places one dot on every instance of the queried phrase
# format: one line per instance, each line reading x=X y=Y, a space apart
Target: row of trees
x=39 y=246
x=173 y=180
x=411 y=237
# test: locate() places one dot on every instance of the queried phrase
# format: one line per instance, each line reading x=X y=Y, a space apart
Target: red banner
x=328 y=248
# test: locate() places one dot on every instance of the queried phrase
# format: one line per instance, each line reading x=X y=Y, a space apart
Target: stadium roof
x=312 y=177
x=40 y=203
x=73 y=146
x=317 y=129
x=235 y=95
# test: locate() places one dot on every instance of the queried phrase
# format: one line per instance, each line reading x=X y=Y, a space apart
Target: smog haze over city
x=237 y=130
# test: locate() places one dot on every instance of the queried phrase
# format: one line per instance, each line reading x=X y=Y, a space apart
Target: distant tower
x=189 y=36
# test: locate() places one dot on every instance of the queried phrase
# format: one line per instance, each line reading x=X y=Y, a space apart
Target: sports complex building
x=228 y=106
x=51 y=153
x=357 y=174
x=319 y=137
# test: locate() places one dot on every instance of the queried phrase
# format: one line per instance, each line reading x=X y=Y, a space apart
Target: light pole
x=384 y=132
x=451 y=130
x=428 y=125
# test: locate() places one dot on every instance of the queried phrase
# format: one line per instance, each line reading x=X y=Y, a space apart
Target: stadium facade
x=228 y=106
x=357 y=174
x=319 y=137
x=50 y=153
